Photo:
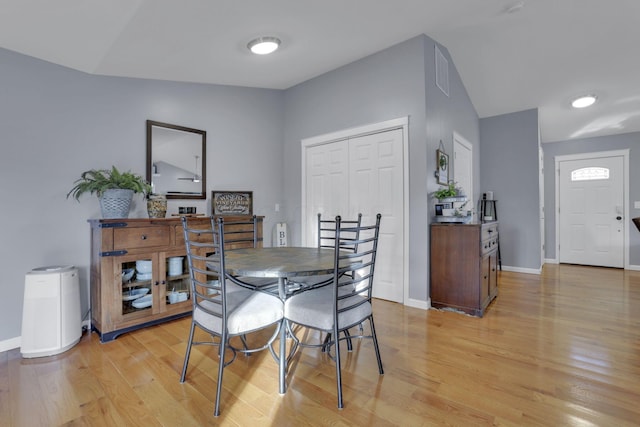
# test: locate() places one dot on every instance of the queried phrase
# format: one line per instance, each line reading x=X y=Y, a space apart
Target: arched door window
x=589 y=174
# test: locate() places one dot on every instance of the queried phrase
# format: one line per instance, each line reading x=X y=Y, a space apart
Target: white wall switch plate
x=636 y=205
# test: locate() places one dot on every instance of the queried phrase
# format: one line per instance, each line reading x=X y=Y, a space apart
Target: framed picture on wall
x=232 y=202
x=443 y=167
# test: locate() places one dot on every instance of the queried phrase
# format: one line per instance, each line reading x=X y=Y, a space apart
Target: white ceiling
x=539 y=57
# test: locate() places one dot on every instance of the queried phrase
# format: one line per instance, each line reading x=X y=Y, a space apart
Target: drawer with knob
x=140 y=237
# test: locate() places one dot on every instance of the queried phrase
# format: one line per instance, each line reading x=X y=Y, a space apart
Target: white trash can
x=51 y=319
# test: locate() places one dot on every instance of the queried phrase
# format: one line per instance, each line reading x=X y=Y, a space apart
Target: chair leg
x=375 y=345
x=349 y=343
x=338 y=369
x=243 y=338
x=327 y=341
x=188 y=353
x=223 y=348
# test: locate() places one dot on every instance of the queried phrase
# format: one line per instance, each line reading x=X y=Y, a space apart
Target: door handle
x=618 y=217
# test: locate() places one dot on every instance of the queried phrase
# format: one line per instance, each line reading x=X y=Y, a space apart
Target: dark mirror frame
x=203 y=156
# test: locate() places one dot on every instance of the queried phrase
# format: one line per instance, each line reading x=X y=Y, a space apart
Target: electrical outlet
x=636 y=205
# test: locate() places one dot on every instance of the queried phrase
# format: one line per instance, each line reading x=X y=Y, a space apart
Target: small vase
x=157 y=206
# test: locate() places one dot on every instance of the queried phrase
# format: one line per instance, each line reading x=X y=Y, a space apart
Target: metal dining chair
x=346 y=303
x=241 y=233
x=327 y=233
x=218 y=311
x=326 y=238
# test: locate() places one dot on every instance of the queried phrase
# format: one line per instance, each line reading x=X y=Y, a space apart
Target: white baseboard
x=10 y=344
x=555 y=261
x=415 y=303
x=522 y=270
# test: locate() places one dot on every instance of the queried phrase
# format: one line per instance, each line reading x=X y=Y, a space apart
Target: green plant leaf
x=96 y=181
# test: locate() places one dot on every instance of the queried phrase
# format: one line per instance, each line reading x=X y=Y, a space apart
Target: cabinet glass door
x=137 y=286
x=178 y=281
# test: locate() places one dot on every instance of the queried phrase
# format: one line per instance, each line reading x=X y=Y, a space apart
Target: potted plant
x=449 y=191
x=114 y=189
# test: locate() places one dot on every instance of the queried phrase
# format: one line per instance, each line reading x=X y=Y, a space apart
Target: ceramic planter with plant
x=449 y=192
x=113 y=188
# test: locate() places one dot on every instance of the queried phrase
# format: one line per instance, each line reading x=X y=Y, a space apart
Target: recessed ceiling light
x=264 y=45
x=584 y=101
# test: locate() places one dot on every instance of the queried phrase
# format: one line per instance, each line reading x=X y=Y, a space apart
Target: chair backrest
x=354 y=270
x=241 y=232
x=205 y=255
x=327 y=233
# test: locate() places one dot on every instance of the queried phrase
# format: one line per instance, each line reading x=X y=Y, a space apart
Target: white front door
x=591 y=217
x=363 y=174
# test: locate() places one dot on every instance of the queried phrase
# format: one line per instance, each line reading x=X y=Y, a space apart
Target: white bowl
x=144 y=266
x=143 y=302
x=127 y=274
x=134 y=294
x=143 y=276
x=175 y=297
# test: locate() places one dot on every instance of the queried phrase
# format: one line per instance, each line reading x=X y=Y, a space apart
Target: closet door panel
x=376 y=186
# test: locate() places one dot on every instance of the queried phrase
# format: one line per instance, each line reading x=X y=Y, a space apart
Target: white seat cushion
x=314 y=308
x=247 y=311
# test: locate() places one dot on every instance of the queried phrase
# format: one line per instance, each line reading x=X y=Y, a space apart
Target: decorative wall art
x=442 y=174
x=232 y=202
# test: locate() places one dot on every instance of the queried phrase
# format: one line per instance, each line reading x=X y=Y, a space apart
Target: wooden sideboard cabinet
x=116 y=246
x=464 y=266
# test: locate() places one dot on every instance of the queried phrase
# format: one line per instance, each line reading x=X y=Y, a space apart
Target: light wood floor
x=560 y=349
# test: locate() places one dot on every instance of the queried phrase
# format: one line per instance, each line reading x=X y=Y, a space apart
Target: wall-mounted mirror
x=176 y=161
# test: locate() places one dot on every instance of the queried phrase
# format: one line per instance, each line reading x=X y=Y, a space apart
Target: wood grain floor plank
x=557 y=349
x=5 y=407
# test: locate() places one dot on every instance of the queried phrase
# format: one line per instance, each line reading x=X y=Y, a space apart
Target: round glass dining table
x=284 y=264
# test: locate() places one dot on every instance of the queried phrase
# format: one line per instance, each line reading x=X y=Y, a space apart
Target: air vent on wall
x=442 y=72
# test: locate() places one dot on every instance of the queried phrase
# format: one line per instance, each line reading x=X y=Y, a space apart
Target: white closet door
x=375 y=186
x=327 y=184
x=362 y=175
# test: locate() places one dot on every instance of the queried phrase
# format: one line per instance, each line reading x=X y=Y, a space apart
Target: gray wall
x=446 y=114
x=629 y=141
x=509 y=168
x=396 y=82
x=56 y=123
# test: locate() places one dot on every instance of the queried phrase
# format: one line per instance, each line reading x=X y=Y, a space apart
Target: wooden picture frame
x=232 y=203
x=442 y=161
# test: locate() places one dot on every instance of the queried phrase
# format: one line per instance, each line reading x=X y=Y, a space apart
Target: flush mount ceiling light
x=584 y=101
x=264 y=45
